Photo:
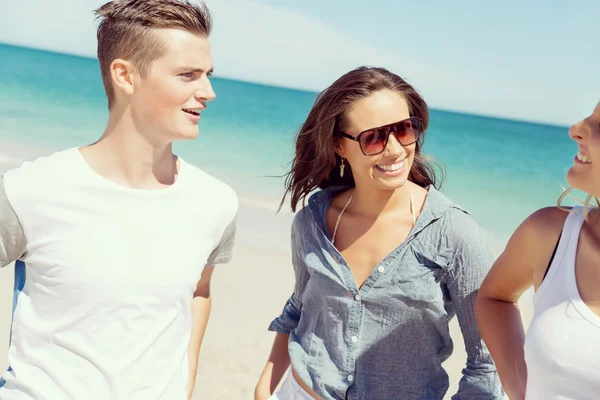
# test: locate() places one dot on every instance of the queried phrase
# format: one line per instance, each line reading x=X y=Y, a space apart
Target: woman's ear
x=339 y=150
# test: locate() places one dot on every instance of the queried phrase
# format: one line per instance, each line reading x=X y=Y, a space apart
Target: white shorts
x=291 y=390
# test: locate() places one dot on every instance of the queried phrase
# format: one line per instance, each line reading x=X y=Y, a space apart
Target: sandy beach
x=503 y=143
x=247 y=295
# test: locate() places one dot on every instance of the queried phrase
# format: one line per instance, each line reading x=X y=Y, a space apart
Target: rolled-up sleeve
x=12 y=237
x=470 y=262
x=290 y=316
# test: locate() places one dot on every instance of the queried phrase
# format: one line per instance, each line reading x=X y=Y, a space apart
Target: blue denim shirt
x=388 y=339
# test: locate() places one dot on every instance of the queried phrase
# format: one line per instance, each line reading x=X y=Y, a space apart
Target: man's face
x=166 y=103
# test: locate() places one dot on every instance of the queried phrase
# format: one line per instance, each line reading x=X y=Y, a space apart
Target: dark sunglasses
x=374 y=141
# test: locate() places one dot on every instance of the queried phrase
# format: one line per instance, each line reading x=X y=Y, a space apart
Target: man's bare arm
x=201 y=305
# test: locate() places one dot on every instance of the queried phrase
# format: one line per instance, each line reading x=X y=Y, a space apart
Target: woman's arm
x=469 y=260
x=520 y=266
x=277 y=365
x=279 y=359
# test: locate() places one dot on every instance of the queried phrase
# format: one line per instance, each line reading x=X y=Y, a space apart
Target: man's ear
x=122 y=74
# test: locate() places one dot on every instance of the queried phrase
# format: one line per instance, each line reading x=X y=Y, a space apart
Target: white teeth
x=583 y=158
x=192 y=110
x=392 y=167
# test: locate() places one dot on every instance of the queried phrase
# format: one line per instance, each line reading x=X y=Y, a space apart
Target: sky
x=533 y=60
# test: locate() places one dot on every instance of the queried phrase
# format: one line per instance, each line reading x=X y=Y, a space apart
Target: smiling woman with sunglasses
x=382 y=259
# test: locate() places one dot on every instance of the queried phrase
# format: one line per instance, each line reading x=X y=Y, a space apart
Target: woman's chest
x=405 y=277
x=587 y=272
x=365 y=246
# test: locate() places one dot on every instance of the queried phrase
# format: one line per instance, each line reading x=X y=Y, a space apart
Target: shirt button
x=381 y=269
x=354 y=339
x=350 y=378
x=357 y=297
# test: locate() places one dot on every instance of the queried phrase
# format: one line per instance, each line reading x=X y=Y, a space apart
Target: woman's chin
x=391 y=183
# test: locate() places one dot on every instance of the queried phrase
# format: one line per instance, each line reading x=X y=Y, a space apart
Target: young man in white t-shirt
x=115 y=243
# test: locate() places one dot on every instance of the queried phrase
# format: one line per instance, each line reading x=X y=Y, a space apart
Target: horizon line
x=308 y=90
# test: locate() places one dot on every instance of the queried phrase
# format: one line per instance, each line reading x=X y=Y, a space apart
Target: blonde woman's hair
x=587 y=206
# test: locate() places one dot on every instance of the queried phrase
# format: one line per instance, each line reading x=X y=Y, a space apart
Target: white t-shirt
x=110 y=275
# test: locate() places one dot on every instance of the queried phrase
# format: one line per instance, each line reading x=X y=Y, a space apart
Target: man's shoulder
x=39 y=173
x=208 y=186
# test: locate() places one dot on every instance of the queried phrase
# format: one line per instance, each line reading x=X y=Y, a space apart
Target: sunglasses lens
x=408 y=131
x=373 y=141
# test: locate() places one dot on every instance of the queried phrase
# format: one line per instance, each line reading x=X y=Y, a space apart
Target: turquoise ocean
x=500 y=170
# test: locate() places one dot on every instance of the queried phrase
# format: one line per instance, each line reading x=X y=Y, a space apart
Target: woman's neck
x=370 y=202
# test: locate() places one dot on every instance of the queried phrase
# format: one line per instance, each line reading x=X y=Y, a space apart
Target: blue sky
x=530 y=60
x=521 y=47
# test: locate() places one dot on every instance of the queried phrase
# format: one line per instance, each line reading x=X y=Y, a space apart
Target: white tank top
x=562 y=346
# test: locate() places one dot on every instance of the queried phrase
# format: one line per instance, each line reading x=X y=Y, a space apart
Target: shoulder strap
x=552 y=257
x=571 y=222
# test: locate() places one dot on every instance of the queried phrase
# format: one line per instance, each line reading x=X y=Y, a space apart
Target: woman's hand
x=277 y=365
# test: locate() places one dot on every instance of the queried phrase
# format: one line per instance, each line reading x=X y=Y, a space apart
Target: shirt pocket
x=417 y=290
x=418 y=279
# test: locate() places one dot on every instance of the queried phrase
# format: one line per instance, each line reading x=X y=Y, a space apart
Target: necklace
x=339 y=218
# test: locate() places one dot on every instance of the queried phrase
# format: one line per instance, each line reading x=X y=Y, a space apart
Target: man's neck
x=125 y=156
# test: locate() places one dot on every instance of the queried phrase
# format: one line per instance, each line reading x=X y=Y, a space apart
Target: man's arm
x=201 y=304
x=12 y=237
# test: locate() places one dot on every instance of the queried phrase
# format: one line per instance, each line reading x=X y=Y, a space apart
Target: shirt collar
x=436 y=204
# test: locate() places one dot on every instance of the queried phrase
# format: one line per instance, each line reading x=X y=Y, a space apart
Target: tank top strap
x=572 y=228
x=570 y=234
x=565 y=253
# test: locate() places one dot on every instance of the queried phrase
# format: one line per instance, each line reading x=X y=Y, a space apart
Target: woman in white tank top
x=558 y=253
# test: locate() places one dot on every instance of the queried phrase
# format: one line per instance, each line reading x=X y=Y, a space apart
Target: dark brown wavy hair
x=316 y=163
